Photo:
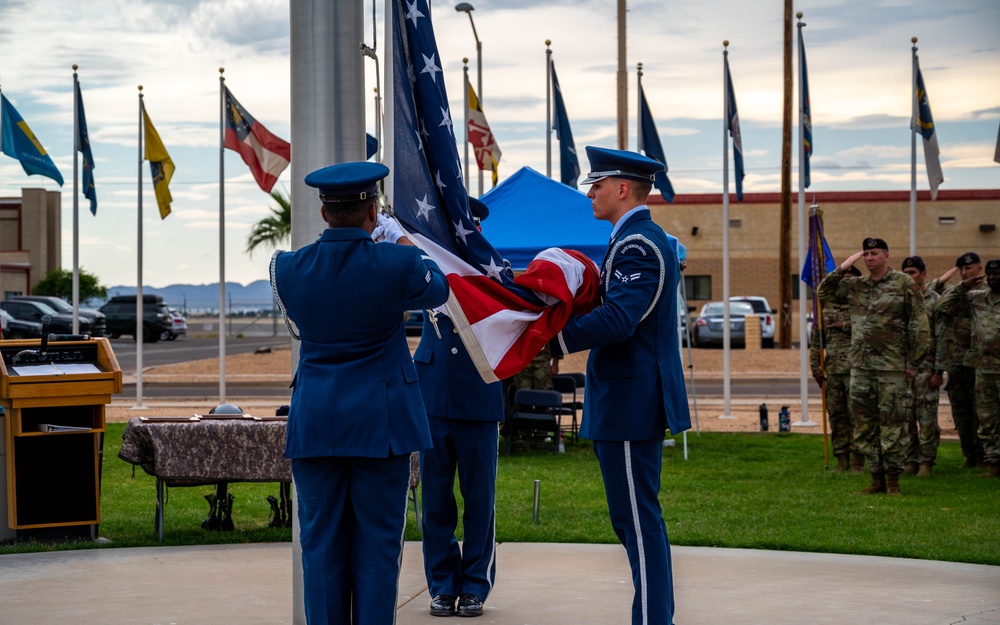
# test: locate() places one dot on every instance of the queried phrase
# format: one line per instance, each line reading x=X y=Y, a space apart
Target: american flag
x=502 y=320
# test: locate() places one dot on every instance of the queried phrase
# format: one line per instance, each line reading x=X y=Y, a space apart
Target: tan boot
x=843 y=463
x=910 y=468
x=892 y=484
x=925 y=470
x=857 y=463
x=878 y=484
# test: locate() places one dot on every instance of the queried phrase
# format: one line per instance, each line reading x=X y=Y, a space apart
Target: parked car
x=708 y=327
x=121 y=317
x=179 y=326
x=97 y=320
x=766 y=314
x=59 y=323
x=17 y=329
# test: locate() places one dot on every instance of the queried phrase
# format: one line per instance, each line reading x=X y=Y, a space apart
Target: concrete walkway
x=537 y=584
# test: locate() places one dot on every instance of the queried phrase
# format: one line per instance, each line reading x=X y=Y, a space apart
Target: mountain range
x=205 y=297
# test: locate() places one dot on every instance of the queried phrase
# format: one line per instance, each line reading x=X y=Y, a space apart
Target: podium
x=53 y=428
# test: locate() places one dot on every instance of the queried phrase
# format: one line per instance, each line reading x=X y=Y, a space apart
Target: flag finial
x=725 y=43
x=75 y=67
x=140 y=88
x=799 y=15
x=465 y=60
x=548 y=42
x=222 y=70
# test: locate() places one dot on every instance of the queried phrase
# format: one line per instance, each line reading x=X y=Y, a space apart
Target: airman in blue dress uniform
x=635 y=380
x=356 y=409
x=463 y=412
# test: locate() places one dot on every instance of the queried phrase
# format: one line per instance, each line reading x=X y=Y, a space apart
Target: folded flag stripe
x=502 y=322
x=266 y=154
x=17 y=141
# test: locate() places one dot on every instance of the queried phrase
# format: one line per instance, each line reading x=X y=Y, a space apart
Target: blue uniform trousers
x=352 y=514
x=471 y=446
x=631 y=471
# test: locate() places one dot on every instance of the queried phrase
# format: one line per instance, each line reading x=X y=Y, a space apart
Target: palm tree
x=274 y=229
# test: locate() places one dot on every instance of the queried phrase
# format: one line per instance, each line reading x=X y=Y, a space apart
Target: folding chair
x=566 y=385
x=535 y=413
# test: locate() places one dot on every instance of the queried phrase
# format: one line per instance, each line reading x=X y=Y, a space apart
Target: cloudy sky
x=859 y=72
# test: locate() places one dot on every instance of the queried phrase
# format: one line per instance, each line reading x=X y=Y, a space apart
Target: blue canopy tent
x=530 y=212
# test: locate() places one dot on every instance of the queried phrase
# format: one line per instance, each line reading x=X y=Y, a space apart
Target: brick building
x=30 y=239
x=957 y=222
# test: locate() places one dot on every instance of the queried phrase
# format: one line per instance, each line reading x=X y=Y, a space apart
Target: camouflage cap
x=966 y=259
x=872 y=243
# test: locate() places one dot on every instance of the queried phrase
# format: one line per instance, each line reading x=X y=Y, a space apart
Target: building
x=30 y=239
x=957 y=222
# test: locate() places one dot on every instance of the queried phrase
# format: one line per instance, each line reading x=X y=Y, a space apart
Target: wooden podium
x=54 y=422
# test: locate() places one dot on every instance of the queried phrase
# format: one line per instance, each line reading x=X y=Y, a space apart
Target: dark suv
x=120 y=313
x=96 y=317
x=60 y=323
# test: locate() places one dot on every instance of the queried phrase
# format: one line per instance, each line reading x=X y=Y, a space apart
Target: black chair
x=534 y=419
x=566 y=385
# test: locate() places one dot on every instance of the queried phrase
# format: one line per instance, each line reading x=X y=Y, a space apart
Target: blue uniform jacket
x=635 y=380
x=451 y=386
x=355 y=391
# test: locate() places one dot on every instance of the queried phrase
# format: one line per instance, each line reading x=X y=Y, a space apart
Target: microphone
x=46 y=320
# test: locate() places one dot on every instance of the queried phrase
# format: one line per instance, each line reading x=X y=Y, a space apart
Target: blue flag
x=733 y=126
x=569 y=163
x=807 y=127
x=371 y=146
x=649 y=142
x=83 y=146
x=925 y=126
x=819 y=260
x=17 y=140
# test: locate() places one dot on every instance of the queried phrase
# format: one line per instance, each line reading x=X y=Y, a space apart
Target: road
x=185 y=349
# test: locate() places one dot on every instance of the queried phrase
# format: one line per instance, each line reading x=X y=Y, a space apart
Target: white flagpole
x=548 y=108
x=138 y=289
x=726 y=114
x=913 y=151
x=639 y=146
x=222 y=236
x=465 y=74
x=76 y=202
x=804 y=419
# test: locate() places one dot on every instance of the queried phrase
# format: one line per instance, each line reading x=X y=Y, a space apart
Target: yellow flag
x=160 y=166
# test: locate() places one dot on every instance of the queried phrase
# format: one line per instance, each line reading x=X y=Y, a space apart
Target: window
x=698 y=287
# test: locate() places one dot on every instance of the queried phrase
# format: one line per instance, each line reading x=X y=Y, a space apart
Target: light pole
x=465 y=7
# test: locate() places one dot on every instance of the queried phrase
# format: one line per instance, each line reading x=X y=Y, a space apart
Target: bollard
x=534 y=515
x=784 y=420
x=763 y=417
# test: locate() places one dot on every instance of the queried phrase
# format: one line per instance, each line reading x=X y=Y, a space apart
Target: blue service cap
x=479 y=210
x=347 y=182
x=607 y=163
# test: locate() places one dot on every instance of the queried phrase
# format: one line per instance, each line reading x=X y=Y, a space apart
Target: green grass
x=756 y=491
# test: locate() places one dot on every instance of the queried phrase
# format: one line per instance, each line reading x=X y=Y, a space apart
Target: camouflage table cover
x=208 y=451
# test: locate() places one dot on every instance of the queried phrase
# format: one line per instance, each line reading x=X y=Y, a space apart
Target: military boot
x=910 y=468
x=993 y=469
x=878 y=484
x=857 y=463
x=925 y=470
x=843 y=463
x=892 y=484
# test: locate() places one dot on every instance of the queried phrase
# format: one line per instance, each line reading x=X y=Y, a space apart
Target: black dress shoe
x=443 y=605
x=470 y=605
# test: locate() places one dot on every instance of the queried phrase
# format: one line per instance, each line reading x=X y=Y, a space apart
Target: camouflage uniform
x=889 y=334
x=953 y=351
x=538 y=373
x=837 y=369
x=985 y=355
x=925 y=433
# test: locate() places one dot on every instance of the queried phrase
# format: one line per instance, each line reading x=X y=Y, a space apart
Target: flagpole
x=222 y=236
x=465 y=74
x=138 y=289
x=76 y=201
x=639 y=147
x=548 y=108
x=726 y=382
x=804 y=419
x=913 y=151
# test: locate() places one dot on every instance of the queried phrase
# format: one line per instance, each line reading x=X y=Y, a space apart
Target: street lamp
x=465 y=7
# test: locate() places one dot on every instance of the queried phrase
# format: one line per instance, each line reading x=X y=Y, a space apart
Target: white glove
x=387 y=229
